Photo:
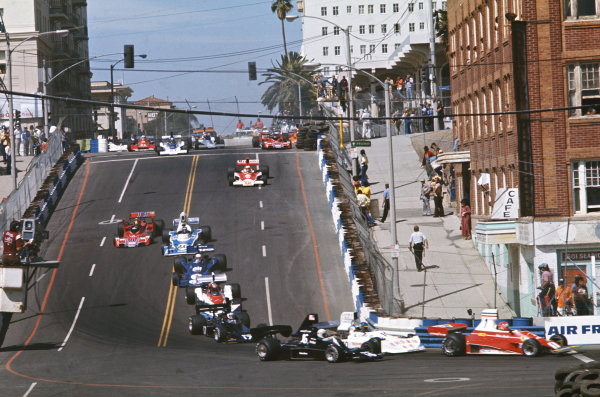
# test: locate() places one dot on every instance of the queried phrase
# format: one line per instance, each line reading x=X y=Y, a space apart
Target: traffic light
x=17 y=116
x=425 y=74
x=252 y=70
x=128 y=55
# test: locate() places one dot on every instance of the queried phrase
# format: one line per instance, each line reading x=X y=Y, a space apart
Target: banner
x=579 y=330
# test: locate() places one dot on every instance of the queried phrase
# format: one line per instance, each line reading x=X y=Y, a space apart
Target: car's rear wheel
x=236 y=291
x=333 y=354
x=166 y=237
x=190 y=295
x=178 y=266
x=129 y=149
x=230 y=180
x=454 y=345
x=230 y=171
x=196 y=324
x=265 y=171
x=205 y=233
x=220 y=262
x=175 y=279
x=373 y=345
x=219 y=334
x=159 y=225
x=120 y=229
x=268 y=349
x=531 y=348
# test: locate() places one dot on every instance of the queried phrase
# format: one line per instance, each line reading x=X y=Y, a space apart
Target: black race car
x=311 y=342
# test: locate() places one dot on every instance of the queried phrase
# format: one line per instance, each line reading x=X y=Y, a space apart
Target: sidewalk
x=6 y=181
x=456 y=278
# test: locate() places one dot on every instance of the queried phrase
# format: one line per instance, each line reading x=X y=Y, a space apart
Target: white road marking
x=228 y=153
x=30 y=389
x=257 y=156
x=72 y=325
x=112 y=218
x=264 y=249
x=445 y=380
x=262 y=225
x=42 y=276
x=128 y=179
x=583 y=358
x=102 y=242
x=269 y=313
x=92 y=269
x=259 y=187
x=260 y=203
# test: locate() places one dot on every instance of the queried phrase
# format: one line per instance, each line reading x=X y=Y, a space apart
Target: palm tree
x=282 y=7
x=284 y=86
x=441 y=26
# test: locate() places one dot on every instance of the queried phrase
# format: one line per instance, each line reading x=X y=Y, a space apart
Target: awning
x=454 y=157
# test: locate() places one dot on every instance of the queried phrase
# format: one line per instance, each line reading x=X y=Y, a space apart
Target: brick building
x=532 y=176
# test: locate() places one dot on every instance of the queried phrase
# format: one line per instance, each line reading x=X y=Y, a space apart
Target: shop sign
x=577 y=256
x=579 y=330
x=506 y=205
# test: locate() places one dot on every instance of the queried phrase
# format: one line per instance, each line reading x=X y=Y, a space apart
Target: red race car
x=139 y=229
x=276 y=142
x=248 y=173
x=141 y=143
x=491 y=338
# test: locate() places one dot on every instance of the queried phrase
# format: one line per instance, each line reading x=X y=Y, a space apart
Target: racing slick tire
x=219 y=334
x=559 y=339
x=265 y=171
x=196 y=324
x=175 y=279
x=220 y=262
x=244 y=318
x=531 y=348
x=373 y=345
x=230 y=171
x=178 y=266
x=454 y=345
x=159 y=225
x=205 y=233
x=255 y=141
x=236 y=291
x=268 y=349
x=166 y=237
x=590 y=389
x=230 y=180
x=190 y=295
x=129 y=149
x=333 y=354
x=120 y=230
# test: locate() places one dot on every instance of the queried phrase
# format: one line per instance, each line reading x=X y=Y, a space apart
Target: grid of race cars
x=219 y=314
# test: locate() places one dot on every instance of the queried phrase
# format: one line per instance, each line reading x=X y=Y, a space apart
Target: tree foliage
x=281 y=8
x=441 y=26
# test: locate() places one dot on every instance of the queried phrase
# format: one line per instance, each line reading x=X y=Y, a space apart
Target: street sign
x=360 y=143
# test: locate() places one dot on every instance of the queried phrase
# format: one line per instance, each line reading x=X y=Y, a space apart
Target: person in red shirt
x=12 y=242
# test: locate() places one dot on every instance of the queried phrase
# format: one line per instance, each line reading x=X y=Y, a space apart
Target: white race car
x=171 y=145
x=360 y=335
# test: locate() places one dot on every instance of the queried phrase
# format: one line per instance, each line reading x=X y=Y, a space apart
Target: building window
x=580 y=8
x=363 y=49
x=395 y=7
x=370 y=8
x=361 y=29
x=336 y=50
x=361 y=9
x=336 y=30
x=586 y=186
x=323 y=11
x=324 y=31
x=583 y=84
x=372 y=48
x=396 y=28
x=384 y=28
x=326 y=70
x=371 y=29
x=411 y=7
x=382 y=8
x=433 y=6
x=421 y=25
x=325 y=51
x=335 y=10
x=396 y=46
x=348 y=9
x=2 y=62
x=420 y=6
x=384 y=48
x=349 y=28
x=411 y=27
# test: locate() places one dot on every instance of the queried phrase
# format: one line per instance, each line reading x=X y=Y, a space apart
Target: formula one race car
x=311 y=342
x=489 y=338
x=184 y=240
x=207 y=139
x=356 y=334
x=276 y=142
x=248 y=173
x=141 y=143
x=196 y=272
x=171 y=145
x=139 y=229
x=214 y=295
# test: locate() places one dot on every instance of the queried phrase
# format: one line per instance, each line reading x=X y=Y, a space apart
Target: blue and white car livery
x=184 y=240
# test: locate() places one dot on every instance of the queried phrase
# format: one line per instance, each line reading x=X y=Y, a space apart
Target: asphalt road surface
x=111 y=323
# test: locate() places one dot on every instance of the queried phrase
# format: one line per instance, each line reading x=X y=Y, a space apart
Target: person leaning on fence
x=363 y=202
x=417 y=245
x=564 y=299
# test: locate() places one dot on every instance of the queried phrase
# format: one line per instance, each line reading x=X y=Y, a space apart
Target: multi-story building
x=388 y=38
x=101 y=91
x=32 y=50
x=525 y=80
x=141 y=118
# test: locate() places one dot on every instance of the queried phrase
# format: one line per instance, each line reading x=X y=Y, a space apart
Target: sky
x=183 y=35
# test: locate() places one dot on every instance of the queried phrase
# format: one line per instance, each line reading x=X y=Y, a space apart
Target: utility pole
x=432 y=68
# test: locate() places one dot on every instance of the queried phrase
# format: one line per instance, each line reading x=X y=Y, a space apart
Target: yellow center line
x=168 y=318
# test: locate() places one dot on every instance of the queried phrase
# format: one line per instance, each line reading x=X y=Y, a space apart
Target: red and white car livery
x=492 y=338
x=140 y=144
x=275 y=142
x=248 y=173
x=139 y=229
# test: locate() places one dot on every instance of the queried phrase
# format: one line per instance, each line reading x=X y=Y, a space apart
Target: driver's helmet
x=230 y=316
x=214 y=288
x=197 y=258
x=364 y=327
x=136 y=222
x=322 y=333
x=248 y=169
x=503 y=326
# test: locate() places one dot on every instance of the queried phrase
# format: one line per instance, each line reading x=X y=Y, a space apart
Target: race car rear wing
x=346 y=320
x=260 y=332
x=248 y=162
x=191 y=221
x=217 y=278
x=445 y=329
x=169 y=136
x=190 y=249
x=147 y=214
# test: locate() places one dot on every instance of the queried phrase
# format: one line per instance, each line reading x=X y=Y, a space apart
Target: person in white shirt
x=365 y=118
x=417 y=244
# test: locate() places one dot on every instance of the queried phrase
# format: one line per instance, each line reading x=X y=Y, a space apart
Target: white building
x=26 y=21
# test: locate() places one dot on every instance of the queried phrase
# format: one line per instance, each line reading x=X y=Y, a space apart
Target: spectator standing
x=39 y=133
x=408 y=84
x=26 y=140
x=335 y=87
x=344 y=88
x=580 y=295
x=364 y=166
x=429 y=111
x=239 y=126
x=12 y=245
x=426 y=162
x=425 y=197
x=363 y=202
x=438 y=196
x=547 y=293
x=366 y=189
x=396 y=120
x=399 y=86
x=417 y=244
x=407 y=122
x=440 y=114
x=365 y=118
x=390 y=84
x=564 y=298
x=465 y=224
x=386 y=202
x=18 y=134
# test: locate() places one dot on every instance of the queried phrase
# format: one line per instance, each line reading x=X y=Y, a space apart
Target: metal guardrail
x=19 y=200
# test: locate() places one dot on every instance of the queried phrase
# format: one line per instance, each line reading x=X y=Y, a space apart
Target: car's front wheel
x=333 y=354
x=531 y=348
x=373 y=345
x=268 y=349
x=219 y=334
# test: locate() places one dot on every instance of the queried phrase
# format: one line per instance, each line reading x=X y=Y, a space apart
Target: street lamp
x=291 y=18
x=112 y=94
x=13 y=163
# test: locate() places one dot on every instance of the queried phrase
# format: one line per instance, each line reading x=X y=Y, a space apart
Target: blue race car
x=185 y=240
x=199 y=271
